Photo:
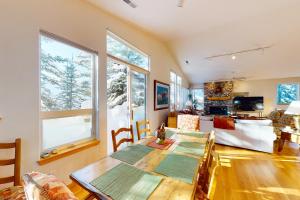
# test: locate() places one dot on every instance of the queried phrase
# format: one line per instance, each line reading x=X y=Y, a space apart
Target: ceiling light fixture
x=233 y=57
x=130 y=3
x=180 y=3
x=263 y=48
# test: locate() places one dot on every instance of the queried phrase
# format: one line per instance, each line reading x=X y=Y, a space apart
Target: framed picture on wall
x=161 y=95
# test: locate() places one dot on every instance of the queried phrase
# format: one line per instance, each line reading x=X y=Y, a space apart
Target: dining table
x=168 y=189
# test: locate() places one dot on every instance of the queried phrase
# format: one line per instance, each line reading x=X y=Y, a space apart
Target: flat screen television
x=248 y=103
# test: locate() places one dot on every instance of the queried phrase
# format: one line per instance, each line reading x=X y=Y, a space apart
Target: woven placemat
x=192 y=148
x=179 y=167
x=197 y=134
x=125 y=182
x=132 y=154
x=169 y=133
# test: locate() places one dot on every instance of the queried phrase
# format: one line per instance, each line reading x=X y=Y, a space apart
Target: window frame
x=277 y=92
x=177 y=92
x=192 y=90
x=128 y=44
x=70 y=113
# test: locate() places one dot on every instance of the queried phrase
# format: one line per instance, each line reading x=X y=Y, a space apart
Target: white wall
x=266 y=88
x=79 y=22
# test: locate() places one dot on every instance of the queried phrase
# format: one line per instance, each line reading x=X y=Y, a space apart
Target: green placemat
x=132 y=154
x=179 y=167
x=127 y=182
x=192 y=148
x=169 y=133
x=193 y=133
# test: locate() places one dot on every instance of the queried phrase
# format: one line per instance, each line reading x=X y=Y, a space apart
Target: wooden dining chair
x=145 y=130
x=121 y=130
x=16 y=161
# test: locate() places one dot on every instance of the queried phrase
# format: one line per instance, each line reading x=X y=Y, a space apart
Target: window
x=286 y=93
x=198 y=98
x=67 y=89
x=122 y=50
x=176 y=97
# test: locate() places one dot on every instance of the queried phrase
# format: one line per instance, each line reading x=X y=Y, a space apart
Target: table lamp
x=294 y=109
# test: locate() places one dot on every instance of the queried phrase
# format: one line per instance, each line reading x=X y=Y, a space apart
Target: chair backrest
x=188 y=122
x=16 y=161
x=114 y=137
x=145 y=130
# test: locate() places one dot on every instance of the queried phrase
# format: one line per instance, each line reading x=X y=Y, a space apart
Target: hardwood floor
x=251 y=175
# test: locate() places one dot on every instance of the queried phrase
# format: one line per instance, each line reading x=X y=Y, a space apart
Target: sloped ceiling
x=205 y=28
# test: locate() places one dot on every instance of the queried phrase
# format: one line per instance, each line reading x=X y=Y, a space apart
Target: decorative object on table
x=167 y=143
x=161 y=95
x=294 y=109
x=161 y=134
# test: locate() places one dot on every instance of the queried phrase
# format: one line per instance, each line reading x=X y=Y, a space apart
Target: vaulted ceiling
x=204 y=28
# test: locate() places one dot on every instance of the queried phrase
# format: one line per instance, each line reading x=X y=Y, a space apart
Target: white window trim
x=70 y=113
x=177 y=103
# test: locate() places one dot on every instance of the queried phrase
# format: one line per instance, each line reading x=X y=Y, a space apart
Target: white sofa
x=249 y=134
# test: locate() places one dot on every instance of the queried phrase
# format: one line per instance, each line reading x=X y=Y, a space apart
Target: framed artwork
x=161 y=95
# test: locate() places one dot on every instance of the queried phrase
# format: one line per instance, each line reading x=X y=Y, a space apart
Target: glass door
x=126 y=98
x=138 y=99
x=118 y=114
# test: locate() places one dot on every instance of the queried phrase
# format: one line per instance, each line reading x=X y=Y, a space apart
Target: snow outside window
x=126 y=52
x=67 y=89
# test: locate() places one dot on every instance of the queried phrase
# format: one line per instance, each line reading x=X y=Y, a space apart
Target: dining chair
x=145 y=130
x=114 y=135
x=206 y=189
x=17 y=190
x=16 y=161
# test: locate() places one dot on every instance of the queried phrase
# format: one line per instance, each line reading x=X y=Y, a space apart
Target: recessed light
x=187 y=62
x=233 y=57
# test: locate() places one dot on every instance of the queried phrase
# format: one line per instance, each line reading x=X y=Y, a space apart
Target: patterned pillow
x=286 y=120
x=275 y=115
x=13 y=193
x=188 y=122
x=46 y=187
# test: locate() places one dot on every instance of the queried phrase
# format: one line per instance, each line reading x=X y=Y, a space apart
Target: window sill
x=67 y=152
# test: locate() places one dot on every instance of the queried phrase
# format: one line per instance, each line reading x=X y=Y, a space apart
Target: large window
x=286 y=93
x=67 y=88
x=176 y=96
x=198 y=98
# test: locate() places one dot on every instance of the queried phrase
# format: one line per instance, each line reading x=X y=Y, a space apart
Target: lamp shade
x=294 y=108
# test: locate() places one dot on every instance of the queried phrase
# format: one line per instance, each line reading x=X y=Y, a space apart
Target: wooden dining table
x=168 y=189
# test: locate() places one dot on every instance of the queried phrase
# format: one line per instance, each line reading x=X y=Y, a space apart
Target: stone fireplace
x=218 y=97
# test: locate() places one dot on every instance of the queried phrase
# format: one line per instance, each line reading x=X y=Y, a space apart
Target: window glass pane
x=66 y=84
x=66 y=76
x=173 y=77
x=198 y=98
x=119 y=49
x=286 y=93
x=61 y=131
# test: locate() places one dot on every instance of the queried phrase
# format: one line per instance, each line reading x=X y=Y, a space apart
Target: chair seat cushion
x=46 y=187
x=13 y=193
